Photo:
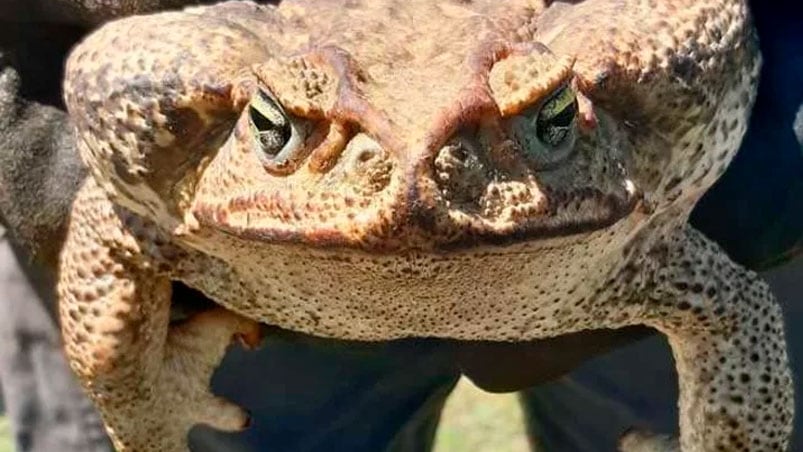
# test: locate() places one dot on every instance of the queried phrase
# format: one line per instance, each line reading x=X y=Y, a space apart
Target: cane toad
x=475 y=170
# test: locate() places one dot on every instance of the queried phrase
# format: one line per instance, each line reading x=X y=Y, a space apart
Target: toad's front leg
x=727 y=336
x=149 y=380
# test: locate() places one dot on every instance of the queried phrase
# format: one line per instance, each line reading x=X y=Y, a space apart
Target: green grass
x=5 y=436
x=472 y=420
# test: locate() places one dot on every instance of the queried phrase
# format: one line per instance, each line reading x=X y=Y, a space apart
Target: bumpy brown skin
x=411 y=209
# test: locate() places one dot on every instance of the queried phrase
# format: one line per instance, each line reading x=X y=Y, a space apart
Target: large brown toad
x=374 y=170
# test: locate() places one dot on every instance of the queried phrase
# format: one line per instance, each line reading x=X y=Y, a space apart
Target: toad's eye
x=547 y=131
x=555 y=120
x=278 y=139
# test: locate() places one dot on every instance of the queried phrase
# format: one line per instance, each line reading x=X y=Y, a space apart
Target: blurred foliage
x=474 y=420
x=5 y=436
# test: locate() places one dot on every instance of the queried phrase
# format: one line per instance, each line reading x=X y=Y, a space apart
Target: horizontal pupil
x=272 y=136
x=260 y=121
x=565 y=117
x=553 y=130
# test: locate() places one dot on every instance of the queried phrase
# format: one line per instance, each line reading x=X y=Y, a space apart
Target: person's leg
x=308 y=394
x=787 y=283
x=43 y=401
x=591 y=408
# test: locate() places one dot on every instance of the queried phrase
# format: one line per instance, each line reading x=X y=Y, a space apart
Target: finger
x=221 y=414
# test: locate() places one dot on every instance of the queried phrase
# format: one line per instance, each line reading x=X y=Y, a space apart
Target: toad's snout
x=464 y=177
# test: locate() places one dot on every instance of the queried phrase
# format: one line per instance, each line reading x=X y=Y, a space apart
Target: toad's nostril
x=366 y=155
x=459 y=172
x=367 y=165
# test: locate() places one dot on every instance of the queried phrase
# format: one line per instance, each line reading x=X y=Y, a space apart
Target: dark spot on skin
x=673 y=183
x=183 y=122
x=314 y=316
x=684 y=67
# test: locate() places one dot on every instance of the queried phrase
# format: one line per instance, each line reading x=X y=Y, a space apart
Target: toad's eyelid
x=268 y=107
x=559 y=101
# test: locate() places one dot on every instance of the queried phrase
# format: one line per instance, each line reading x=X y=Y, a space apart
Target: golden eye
x=546 y=132
x=555 y=121
x=277 y=137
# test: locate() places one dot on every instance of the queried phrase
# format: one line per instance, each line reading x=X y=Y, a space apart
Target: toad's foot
x=154 y=406
x=154 y=409
x=180 y=396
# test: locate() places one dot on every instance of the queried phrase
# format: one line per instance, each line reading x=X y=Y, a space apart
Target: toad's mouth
x=419 y=220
